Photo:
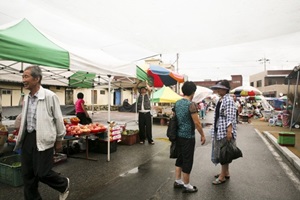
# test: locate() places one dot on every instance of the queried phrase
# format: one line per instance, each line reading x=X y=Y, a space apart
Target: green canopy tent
x=81 y=79
x=24 y=43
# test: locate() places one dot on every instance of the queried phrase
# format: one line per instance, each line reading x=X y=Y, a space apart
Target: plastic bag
x=228 y=152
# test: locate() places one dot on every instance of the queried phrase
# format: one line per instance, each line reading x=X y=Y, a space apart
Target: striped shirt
x=226 y=115
x=31 y=112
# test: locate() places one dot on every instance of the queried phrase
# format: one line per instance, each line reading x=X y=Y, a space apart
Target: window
x=6 y=91
x=94 y=96
x=102 y=92
x=252 y=84
x=259 y=83
x=69 y=97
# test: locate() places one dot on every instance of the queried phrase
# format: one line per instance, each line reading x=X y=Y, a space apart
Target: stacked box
x=286 y=138
x=10 y=170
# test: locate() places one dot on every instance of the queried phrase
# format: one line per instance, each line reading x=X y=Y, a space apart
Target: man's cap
x=220 y=85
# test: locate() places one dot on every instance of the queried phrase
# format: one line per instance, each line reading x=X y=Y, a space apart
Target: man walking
x=41 y=133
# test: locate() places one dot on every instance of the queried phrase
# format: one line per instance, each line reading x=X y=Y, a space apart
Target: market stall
x=23 y=43
x=165 y=96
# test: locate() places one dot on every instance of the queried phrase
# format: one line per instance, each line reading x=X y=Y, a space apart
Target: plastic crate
x=10 y=170
x=286 y=138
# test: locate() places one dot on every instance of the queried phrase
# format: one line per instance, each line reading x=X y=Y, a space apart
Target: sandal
x=188 y=190
x=217 y=176
x=218 y=181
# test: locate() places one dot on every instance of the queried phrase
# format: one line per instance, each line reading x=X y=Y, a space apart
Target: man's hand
x=58 y=146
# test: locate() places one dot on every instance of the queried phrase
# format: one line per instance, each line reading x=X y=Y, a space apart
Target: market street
x=140 y=172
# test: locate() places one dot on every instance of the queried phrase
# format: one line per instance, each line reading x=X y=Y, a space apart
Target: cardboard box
x=286 y=138
x=10 y=170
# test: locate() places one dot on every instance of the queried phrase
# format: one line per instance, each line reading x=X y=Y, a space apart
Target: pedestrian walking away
x=224 y=127
x=40 y=135
x=188 y=119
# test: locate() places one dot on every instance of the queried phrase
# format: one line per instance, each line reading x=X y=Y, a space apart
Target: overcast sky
x=214 y=39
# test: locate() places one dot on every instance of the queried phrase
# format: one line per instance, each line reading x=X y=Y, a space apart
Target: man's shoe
x=63 y=196
x=178 y=185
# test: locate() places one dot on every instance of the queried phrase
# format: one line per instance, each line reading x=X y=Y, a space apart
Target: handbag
x=228 y=152
x=173 y=150
x=172 y=128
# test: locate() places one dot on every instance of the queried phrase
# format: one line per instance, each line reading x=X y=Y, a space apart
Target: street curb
x=284 y=150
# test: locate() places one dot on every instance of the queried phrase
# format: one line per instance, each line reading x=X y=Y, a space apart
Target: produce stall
x=93 y=131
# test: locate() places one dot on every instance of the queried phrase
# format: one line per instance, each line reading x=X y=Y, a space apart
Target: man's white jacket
x=49 y=121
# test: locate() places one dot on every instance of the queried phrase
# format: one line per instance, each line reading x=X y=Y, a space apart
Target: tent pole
x=93 y=105
x=287 y=100
x=177 y=64
x=108 y=118
x=295 y=97
x=0 y=106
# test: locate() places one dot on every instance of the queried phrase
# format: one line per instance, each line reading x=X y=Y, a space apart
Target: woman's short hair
x=80 y=95
x=188 y=88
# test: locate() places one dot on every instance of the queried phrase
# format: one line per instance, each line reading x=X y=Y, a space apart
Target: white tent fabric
x=214 y=33
x=224 y=34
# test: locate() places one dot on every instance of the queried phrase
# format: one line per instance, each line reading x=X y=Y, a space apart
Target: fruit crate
x=286 y=138
x=10 y=170
x=129 y=139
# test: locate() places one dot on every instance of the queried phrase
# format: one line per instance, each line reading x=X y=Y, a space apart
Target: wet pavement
x=140 y=172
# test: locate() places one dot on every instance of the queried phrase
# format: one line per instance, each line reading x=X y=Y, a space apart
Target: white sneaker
x=63 y=196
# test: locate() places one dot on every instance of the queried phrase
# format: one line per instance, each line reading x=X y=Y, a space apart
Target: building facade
x=273 y=83
x=236 y=80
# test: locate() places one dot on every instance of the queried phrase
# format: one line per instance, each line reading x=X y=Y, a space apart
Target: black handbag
x=228 y=152
x=173 y=150
x=172 y=128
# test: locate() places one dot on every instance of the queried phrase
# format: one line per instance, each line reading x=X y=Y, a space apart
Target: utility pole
x=177 y=85
x=264 y=60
